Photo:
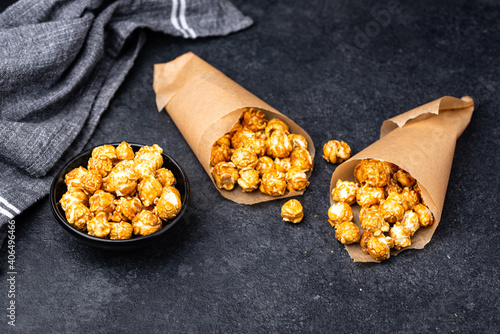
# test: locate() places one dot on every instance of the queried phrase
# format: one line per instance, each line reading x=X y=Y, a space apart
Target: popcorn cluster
x=121 y=193
x=261 y=154
x=392 y=208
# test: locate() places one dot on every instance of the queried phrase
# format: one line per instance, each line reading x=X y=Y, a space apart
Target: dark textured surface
x=240 y=269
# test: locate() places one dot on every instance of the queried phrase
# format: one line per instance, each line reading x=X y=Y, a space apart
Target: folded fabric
x=61 y=63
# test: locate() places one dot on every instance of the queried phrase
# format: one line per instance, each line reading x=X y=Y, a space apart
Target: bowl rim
x=143 y=239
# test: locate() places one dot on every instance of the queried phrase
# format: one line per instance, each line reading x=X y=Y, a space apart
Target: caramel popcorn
x=347 y=233
x=391 y=207
x=292 y=211
x=256 y=145
x=264 y=164
x=296 y=179
x=278 y=145
x=224 y=140
x=276 y=124
x=301 y=157
x=282 y=165
x=298 y=141
x=254 y=120
x=240 y=137
x=243 y=158
x=249 y=179
x=273 y=183
x=335 y=151
x=225 y=175
x=220 y=153
x=136 y=179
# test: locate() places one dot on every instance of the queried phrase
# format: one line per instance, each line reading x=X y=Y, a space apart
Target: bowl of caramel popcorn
x=120 y=196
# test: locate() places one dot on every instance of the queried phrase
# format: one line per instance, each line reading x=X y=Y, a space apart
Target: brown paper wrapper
x=204 y=105
x=422 y=142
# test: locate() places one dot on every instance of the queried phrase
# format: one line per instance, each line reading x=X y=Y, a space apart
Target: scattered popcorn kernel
x=296 y=179
x=146 y=223
x=335 y=151
x=101 y=164
x=121 y=231
x=410 y=221
x=391 y=210
x=105 y=150
x=99 y=226
x=425 y=217
x=400 y=235
x=347 y=233
x=78 y=215
x=372 y=172
x=273 y=183
x=379 y=247
x=165 y=176
x=169 y=204
x=220 y=153
x=149 y=189
x=298 y=141
x=126 y=208
x=249 y=179
x=404 y=178
x=102 y=201
x=240 y=137
x=225 y=175
x=124 y=151
x=264 y=164
x=301 y=158
x=254 y=120
x=339 y=212
x=275 y=124
x=279 y=145
x=292 y=211
x=367 y=196
x=345 y=191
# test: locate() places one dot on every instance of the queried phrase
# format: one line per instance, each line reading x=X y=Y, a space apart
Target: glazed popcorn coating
x=345 y=191
x=244 y=157
x=292 y=211
x=367 y=196
x=149 y=189
x=425 y=217
x=147 y=160
x=372 y=220
x=122 y=180
x=276 y=124
x=264 y=164
x=102 y=201
x=392 y=186
x=298 y=140
x=220 y=153
x=126 y=208
x=99 y=226
x=410 y=222
x=72 y=197
x=249 y=179
x=363 y=242
x=339 y=212
x=400 y=236
x=254 y=119
x=225 y=175
x=404 y=178
x=146 y=223
x=398 y=197
x=169 y=204
x=282 y=165
x=347 y=233
x=300 y=157
x=379 y=247
x=411 y=197
x=124 y=151
x=121 y=231
x=335 y=151
x=391 y=210
x=101 y=164
x=87 y=180
x=78 y=215
x=224 y=140
x=165 y=176
x=257 y=146
x=296 y=179
x=278 y=145
x=240 y=137
x=105 y=150
x=372 y=172
x=273 y=183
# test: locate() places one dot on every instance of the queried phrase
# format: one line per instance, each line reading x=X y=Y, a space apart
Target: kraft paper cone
x=422 y=142
x=204 y=105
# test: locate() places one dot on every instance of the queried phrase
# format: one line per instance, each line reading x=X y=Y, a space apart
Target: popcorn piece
x=72 y=197
x=391 y=210
x=410 y=222
x=146 y=223
x=249 y=179
x=296 y=179
x=404 y=178
x=101 y=164
x=392 y=186
x=363 y=242
x=398 y=197
x=264 y=164
x=165 y=176
x=335 y=151
x=379 y=247
x=243 y=158
x=99 y=226
x=425 y=217
x=257 y=146
x=411 y=197
x=372 y=172
x=345 y=191
x=124 y=151
x=102 y=201
x=126 y=208
x=224 y=140
x=400 y=235
x=275 y=124
x=292 y=211
x=225 y=175
x=273 y=183
x=372 y=220
x=148 y=159
x=122 y=180
x=254 y=120
x=149 y=189
x=301 y=157
x=220 y=153
x=241 y=136
x=347 y=233
x=169 y=204
x=87 y=180
x=121 y=231
x=105 y=150
x=367 y=196
x=278 y=145
x=339 y=212
x=298 y=141
x=78 y=215
x=282 y=165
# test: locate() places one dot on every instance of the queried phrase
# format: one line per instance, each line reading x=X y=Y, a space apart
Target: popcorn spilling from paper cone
x=421 y=142
x=205 y=105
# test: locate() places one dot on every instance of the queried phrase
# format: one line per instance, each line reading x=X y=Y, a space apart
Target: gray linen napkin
x=61 y=62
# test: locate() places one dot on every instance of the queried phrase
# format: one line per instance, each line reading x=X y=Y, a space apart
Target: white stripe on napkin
x=174 y=20
x=6 y=213
x=10 y=206
x=182 y=17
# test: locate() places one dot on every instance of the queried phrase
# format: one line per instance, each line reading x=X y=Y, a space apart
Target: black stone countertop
x=240 y=269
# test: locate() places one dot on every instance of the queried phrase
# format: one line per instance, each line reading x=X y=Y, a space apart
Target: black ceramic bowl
x=58 y=188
